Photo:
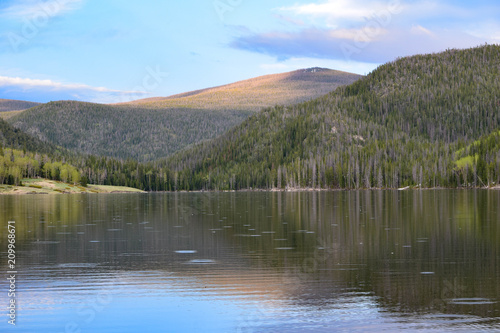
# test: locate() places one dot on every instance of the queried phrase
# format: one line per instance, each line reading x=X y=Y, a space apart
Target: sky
x=120 y=50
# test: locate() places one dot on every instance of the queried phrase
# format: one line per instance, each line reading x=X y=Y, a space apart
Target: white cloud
x=36 y=8
x=26 y=84
x=49 y=90
x=356 y=45
x=365 y=34
x=355 y=11
x=376 y=31
x=346 y=10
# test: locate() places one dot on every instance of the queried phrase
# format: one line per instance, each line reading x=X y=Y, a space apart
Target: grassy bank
x=45 y=186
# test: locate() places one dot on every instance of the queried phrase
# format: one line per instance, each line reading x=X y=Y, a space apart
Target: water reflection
x=319 y=261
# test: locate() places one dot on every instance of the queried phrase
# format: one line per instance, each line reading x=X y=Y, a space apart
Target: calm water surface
x=359 y=261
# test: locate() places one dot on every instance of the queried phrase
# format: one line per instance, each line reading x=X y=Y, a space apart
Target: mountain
x=14 y=138
x=13 y=105
x=146 y=130
x=123 y=131
x=402 y=125
x=23 y=156
x=257 y=93
x=10 y=107
x=422 y=121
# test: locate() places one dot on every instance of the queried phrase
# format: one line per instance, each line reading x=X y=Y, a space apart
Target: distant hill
x=23 y=156
x=10 y=107
x=15 y=138
x=13 y=105
x=123 y=131
x=146 y=130
x=402 y=125
x=257 y=93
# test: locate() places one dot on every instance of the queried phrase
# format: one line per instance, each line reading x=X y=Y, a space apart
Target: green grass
x=9 y=114
x=111 y=189
x=490 y=144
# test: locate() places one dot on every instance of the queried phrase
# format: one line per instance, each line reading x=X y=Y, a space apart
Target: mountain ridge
x=425 y=121
x=255 y=93
x=149 y=132
x=399 y=126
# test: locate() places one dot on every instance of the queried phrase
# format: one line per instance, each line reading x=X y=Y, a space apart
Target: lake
x=341 y=261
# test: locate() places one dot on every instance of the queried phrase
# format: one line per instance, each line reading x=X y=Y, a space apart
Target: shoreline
x=50 y=187
x=38 y=186
x=496 y=187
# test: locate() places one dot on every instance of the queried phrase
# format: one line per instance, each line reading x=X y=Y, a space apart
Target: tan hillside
x=254 y=94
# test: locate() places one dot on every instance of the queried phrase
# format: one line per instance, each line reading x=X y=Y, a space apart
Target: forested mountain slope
x=401 y=125
x=23 y=156
x=123 y=131
x=14 y=138
x=146 y=132
x=481 y=158
x=427 y=121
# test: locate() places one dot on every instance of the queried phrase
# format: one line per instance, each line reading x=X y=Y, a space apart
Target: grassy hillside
x=13 y=105
x=401 y=125
x=147 y=130
x=481 y=159
x=257 y=93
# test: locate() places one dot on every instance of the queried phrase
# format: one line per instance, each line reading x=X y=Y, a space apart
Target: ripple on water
x=201 y=262
x=46 y=242
x=471 y=301
x=77 y=265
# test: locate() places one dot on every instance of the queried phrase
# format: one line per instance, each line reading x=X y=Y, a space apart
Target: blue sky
x=115 y=51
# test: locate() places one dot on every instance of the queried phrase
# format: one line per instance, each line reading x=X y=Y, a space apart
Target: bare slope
x=257 y=93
